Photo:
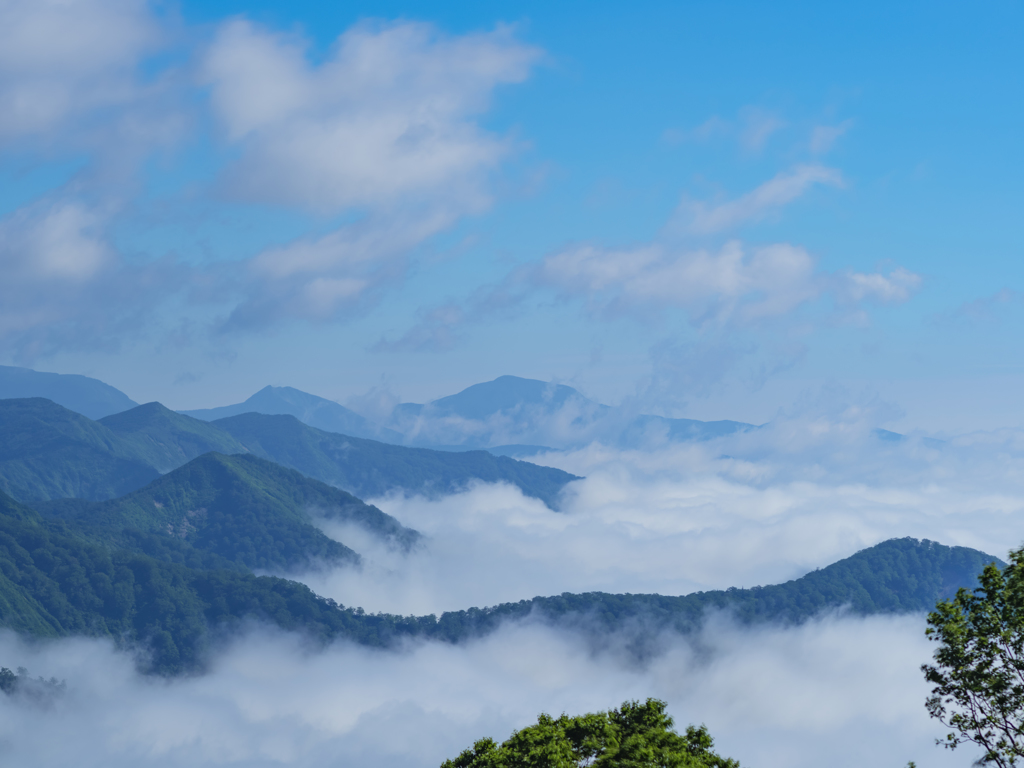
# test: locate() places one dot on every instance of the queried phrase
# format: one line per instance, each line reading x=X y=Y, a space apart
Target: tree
x=978 y=675
x=633 y=736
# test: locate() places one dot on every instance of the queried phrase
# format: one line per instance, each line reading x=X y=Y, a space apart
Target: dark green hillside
x=165 y=439
x=246 y=510
x=55 y=583
x=49 y=452
x=368 y=468
x=896 y=576
x=58 y=579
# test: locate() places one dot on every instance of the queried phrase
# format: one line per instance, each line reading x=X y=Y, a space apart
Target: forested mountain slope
x=50 y=452
x=58 y=578
x=165 y=439
x=248 y=511
x=55 y=582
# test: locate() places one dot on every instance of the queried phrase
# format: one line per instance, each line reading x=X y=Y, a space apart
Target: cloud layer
x=760 y=507
x=838 y=692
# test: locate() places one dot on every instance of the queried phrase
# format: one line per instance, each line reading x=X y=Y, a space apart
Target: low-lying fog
x=838 y=692
x=759 y=508
x=754 y=509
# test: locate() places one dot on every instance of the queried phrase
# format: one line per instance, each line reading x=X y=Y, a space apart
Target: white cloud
x=63 y=59
x=840 y=692
x=813 y=486
x=389 y=115
x=64 y=242
x=386 y=126
x=733 y=285
x=757 y=508
x=895 y=288
x=768 y=198
x=384 y=132
x=64 y=283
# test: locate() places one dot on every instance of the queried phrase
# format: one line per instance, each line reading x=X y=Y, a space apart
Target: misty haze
x=454 y=385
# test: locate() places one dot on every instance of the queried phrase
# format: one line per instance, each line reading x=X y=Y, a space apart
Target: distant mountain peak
x=505 y=393
x=313 y=410
x=84 y=395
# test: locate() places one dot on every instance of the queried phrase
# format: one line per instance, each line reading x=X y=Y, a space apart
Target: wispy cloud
x=389 y=115
x=767 y=199
x=62 y=61
x=824 y=137
x=384 y=134
x=757 y=127
x=386 y=125
x=65 y=284
x=735 y=285
x=752 y=129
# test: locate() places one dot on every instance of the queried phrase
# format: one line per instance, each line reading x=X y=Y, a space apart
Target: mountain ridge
x=90 y=397
x=50 y=453
x=317 y=412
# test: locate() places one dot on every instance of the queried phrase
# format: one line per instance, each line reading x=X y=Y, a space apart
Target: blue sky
x=713 y=210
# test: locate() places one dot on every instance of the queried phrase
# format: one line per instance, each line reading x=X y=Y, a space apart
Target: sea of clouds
x=756 y=508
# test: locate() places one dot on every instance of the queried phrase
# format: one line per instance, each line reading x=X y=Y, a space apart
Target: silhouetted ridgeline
x=896 y=576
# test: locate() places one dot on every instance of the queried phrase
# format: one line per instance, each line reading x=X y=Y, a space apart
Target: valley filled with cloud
x=377 y=376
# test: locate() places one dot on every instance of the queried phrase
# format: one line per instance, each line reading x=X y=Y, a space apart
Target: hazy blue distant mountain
x=506 y=393
x=370 y=468
x=309 y=409
x=511 y=414
x=645 y=427
x=50 y=452
x=90 y=397
x=518 y=451
x=165 y=439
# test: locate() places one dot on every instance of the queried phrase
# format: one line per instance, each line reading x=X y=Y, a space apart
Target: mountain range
x=50 y=452
x=149 y=526
x=89 y=397
x=509 y=416
x=318 y=412
x=163 y=591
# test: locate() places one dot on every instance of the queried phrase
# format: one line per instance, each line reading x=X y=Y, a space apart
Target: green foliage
x=166 y=440
x=49 y=452
x=978 y=675
x=248 y=511
x=8 y=680
x=54 y=582
x=633 y=736
x=40 y=689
